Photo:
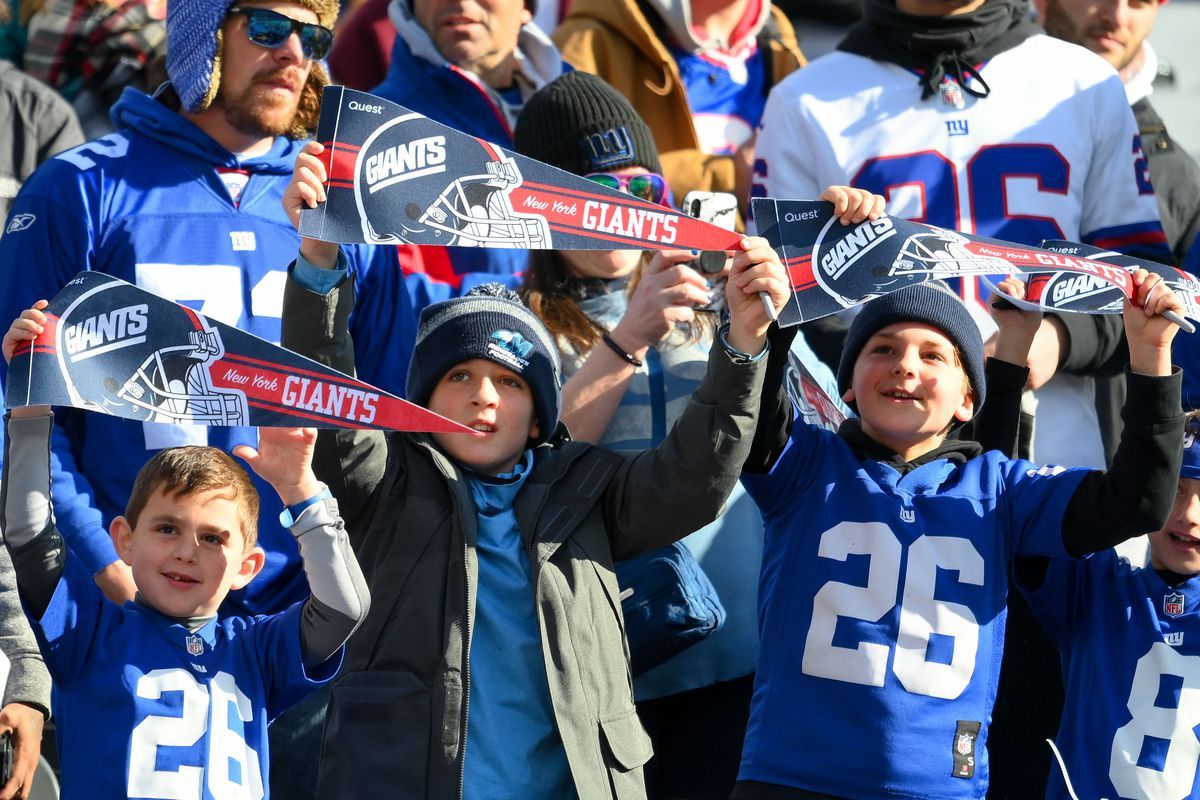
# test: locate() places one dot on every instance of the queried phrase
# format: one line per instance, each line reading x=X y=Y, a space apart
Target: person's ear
x=848 y=397
x=966 y=409
x=122 y=538
x=535 y=430
x=252 y=564
x=526 y=16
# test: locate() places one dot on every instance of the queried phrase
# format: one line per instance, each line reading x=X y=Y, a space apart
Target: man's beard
x=256 y=116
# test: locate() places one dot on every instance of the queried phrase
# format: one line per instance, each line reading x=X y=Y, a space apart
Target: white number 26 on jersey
x=233 y=771
x=921 y=615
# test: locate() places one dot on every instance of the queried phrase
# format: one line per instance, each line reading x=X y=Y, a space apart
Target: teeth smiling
x=1183 y=538
x=900 y=395
x=483 y=427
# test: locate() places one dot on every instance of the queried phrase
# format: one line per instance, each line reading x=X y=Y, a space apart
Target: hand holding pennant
x=1067 y=291
x=396 y=176
x=116 y=349
x=833 y=267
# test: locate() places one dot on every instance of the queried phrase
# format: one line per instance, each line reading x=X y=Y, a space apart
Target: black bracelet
x=616 y=348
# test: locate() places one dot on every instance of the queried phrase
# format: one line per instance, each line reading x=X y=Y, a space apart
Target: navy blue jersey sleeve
x=1035 y=500
x=76 y=624
x=275 y=640
x=791 y=472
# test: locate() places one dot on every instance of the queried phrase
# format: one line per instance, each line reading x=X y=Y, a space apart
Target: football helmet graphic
x=149 y=363
x=416 y=185
x=942 y=254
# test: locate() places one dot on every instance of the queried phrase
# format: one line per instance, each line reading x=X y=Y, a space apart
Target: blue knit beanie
x=194 y=45
x=931 y=303
x=488 y=322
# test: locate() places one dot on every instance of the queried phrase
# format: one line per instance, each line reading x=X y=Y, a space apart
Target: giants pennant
x=116 y=349
x=832 y=267
x=398 y=177
x=1065 y=291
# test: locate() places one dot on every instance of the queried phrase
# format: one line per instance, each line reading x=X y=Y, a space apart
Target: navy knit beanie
x=579 y=123
x=931 y=303
x=489 y=322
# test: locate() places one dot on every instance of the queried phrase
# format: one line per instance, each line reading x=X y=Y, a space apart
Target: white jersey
x=1051 y=153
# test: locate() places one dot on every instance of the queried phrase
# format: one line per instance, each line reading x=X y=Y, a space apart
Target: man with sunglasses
x=185 y=200
x=469 y=64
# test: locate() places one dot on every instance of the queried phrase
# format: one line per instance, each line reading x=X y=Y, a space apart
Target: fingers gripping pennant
x=832 y=267
x=113 y=348
x=395 y=176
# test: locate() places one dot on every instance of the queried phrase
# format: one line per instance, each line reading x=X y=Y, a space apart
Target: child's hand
x=1148 y=332
x=1017 y=326
x=756 y=268
x=306 y=190
x=853 y=206
x=284 y=460
x=25 y=328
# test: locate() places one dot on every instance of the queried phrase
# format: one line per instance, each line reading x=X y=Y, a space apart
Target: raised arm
x=1135 y=495
x=340 y=599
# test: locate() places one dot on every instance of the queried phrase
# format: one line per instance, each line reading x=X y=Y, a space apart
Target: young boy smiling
x=1130 y=645
x=184 y=697
x=887 y=544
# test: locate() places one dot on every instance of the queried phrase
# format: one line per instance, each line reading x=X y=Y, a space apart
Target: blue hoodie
x=147 y=205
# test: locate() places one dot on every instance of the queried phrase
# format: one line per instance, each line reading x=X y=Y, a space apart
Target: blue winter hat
x=194 y=45
x=489 y=322
x=931 y=303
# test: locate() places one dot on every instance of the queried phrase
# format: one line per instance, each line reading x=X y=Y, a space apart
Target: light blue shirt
x=513 y=746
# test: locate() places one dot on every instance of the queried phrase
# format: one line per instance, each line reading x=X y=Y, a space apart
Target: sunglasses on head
x=272 y=29
x=650 y=187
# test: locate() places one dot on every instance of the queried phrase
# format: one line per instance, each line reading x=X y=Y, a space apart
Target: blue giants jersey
x=726 y=94
x=147 y=709
x=881 y=615
x=1130 y=648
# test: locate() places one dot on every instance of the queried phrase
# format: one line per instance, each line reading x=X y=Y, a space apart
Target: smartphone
x=718 y=208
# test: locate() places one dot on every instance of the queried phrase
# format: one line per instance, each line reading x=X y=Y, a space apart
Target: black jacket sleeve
x=1135 y=495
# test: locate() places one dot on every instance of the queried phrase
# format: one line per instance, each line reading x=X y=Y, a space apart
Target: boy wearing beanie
x=887 y=545
x=493 y=665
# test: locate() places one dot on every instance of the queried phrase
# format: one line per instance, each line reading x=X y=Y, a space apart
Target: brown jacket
x=614 y=39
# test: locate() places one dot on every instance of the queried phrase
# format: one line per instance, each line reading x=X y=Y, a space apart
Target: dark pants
x=697 y=739
x=295 y=742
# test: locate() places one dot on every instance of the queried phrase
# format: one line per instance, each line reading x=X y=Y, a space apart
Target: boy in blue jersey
x=159 y=698
x=887 y=544
x=1130 y=645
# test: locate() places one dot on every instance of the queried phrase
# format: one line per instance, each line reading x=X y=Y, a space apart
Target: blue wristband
x=289 y=515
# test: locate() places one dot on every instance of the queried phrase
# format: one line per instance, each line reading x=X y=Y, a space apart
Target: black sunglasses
x=272 y=29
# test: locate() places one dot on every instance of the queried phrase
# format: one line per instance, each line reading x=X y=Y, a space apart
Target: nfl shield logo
x=964 y=744
x=951 y=93
x=1173 y=604
x=195 y=645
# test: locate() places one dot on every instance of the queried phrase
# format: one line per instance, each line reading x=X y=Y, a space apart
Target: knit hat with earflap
x=579 y=123
x=489 y=322
x=194 y=46
x=931 y=303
